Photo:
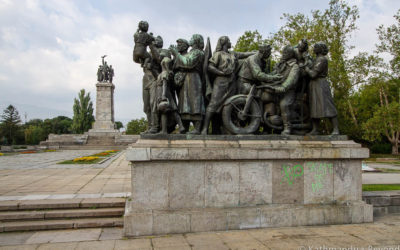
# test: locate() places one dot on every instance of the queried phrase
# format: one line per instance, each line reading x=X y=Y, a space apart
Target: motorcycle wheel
x=235 y=125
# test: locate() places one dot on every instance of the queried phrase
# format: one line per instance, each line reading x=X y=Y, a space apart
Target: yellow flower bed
x=86 y=158
x=1 y=154
x=111 y=151
x=101 y=154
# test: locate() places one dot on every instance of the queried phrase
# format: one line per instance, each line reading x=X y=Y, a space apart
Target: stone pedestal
x=104 y=108
x=181 y=186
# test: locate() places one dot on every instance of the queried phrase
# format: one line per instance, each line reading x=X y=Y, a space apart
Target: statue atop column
x=105 y=73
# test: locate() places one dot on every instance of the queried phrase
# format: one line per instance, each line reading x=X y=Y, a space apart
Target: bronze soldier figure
x=290 y=71
x=252 y=70
x=222 y=65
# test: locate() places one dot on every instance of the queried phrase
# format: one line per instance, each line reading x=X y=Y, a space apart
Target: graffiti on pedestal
x=318 y=170
x=290 y=173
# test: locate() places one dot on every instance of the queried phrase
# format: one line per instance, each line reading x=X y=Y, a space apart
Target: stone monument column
x=104 y=124
x=104 y=107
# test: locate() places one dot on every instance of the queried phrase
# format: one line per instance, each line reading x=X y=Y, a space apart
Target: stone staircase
x=32 y=215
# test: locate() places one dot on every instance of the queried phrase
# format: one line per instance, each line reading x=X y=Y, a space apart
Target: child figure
x=166 y=103
x=142 y=40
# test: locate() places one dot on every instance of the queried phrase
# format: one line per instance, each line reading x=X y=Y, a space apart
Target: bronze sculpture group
x=229 y=92
x=105 y=73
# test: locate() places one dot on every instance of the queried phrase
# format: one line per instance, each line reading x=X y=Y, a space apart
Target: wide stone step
x=60 y=224
x=61 y=204
x=87 y=147
x=60 y=214
x=101 y=140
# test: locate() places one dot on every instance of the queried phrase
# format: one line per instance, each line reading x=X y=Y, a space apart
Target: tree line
x=32 y=132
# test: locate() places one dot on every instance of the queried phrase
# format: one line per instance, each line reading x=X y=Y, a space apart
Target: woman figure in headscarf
x=321 y=101
x=191 y=99
x=223 y=65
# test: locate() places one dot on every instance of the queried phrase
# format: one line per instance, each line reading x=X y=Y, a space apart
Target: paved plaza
x=384 y=232
x=39 y=176
x=382 y=178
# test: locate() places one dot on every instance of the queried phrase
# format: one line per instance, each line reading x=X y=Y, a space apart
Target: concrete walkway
x=383 y=165
x=381 y=178
x=38 y=174
x=384 y=232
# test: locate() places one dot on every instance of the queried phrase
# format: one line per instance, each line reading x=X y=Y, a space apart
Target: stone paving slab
x=61 y=213
x=64 y=196
x=61 y=204
x=43 y=160
x=381 y=178
x=33 y=177
x=384 y=232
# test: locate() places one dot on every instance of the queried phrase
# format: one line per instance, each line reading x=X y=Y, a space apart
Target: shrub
x=381 y=148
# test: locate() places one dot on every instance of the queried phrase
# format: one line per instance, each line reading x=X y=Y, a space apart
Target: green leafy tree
x=61 y=125
x=37 y=130
x=10 y=124
x=34 y=122
x=385 y=121
x=363 y=69
x=136 y=126
x=389 y=42
x=249 y=41
x=119 y=125
x=83 y=113
x=34 y=134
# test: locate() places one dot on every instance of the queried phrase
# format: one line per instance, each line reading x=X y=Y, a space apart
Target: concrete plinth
x=181 y=186
x=104 y=107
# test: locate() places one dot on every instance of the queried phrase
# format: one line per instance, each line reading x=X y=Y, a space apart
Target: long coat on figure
x=191 y=99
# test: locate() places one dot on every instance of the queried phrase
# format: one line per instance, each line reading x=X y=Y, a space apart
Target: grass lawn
x=81 y=162
x=375 y=156
x=384 y=158
x=388 y=170
x=380 y=187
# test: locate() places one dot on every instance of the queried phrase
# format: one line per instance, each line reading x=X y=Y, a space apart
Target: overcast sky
x=51 y=49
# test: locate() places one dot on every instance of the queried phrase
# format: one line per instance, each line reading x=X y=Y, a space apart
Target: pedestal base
x=104 y=107
x=156 y=222
x=181 y=186
x=103 y=125
x=103 y=132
